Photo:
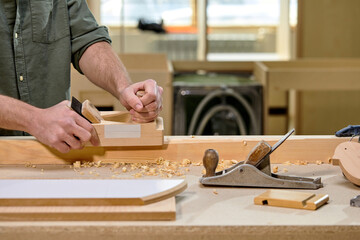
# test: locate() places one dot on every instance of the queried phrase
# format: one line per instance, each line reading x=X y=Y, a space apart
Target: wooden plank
x=311 y=149
x=163 y=210
x=291 y=199
x=348 y=154
x=86 y=192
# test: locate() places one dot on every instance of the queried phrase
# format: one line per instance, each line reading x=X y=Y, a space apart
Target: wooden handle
x=210 y=161
x=90 y=112
x=140 y=93
x=258 y=153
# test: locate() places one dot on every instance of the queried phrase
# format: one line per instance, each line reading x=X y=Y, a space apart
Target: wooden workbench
x=203 y=214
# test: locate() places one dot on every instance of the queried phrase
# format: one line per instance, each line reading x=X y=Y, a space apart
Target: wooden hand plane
x=255 y=171
x=116 y=129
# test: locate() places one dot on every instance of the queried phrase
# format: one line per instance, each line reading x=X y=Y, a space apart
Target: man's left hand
x=144 y=108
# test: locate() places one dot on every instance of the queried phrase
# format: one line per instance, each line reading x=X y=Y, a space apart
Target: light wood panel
x=328 y=29
x=24 y=150
x=291 y=199
x=163 y=210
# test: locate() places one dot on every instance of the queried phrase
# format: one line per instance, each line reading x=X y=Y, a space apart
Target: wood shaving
x=124 y=169
x=215 y=192
x=275 y=169
x=318 y=162
x=152 y=171
x=285 y=170
x=186 y=162
x=234 y=161
x=159 y=161
x=301 y=162
x=287 y=163
x=97 y=164
x=77 y=164
x=245 y=143
x=28 y=164
x=116 y=165
x=137 y=175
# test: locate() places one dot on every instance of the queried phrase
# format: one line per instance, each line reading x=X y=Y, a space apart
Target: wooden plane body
x=117 y=129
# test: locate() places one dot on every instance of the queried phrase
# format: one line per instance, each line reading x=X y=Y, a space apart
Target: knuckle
x=62 y=148
x=150 y=81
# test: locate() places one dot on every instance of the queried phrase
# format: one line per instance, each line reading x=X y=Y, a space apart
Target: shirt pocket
x=49 y=20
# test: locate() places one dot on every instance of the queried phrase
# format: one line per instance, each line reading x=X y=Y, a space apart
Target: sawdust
x=159 y=167
x=301 y=162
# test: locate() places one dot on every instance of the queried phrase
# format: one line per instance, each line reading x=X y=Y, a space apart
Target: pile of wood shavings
x=160 y=167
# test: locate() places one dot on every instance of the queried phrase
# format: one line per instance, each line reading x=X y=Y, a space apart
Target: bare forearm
x=16 y=115
x=102 y=66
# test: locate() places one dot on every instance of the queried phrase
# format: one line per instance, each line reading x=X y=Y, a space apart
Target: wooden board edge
x=94 y=213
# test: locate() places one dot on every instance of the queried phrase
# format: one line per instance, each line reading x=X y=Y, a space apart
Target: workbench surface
x=206 y=212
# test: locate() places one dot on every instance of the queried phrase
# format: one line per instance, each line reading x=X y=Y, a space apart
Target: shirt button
x=16 y=35
x=21 y=78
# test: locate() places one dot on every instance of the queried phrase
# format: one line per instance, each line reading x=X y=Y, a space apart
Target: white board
x=77 y=192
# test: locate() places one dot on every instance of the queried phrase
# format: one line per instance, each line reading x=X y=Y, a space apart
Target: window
x=237 y=29
x=243 y=12
x=173 y=12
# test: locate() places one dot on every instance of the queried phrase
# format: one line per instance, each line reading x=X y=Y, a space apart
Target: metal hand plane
x=255 y=171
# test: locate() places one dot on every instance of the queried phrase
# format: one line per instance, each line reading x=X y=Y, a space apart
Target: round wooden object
x=348 y=154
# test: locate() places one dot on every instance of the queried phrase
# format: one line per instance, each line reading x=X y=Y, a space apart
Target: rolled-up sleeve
x=84 y=30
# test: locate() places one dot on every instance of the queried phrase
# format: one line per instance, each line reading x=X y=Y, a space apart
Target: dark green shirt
x=39 y=39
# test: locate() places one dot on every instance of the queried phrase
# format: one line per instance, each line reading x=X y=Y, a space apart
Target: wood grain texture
x=163 y=210
x=348 y=154
x=24 y=150
x=258 y=153
x=291 y=199
x=90 y=112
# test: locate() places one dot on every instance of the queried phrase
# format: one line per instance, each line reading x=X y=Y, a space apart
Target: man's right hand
x=62 y=128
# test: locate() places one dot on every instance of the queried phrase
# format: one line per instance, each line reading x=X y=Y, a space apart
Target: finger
x=73 y=142
x=152 y=107
x=151 y=92
x=86 y=132
x=132 y=100
x=62 y=147
x=143 y=117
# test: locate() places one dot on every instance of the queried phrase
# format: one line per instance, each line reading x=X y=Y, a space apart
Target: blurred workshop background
x=238 y=67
